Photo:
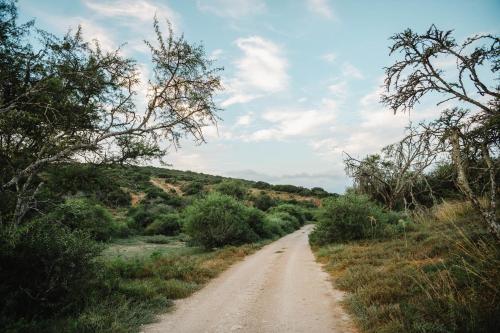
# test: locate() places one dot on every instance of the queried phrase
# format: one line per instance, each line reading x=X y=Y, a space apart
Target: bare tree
x=472 y=136
x=392 y=175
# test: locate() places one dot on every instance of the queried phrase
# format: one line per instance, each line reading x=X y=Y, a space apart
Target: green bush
x=350 y=217
x=83 y=214
x=263 y=201
x=192 y=188
x=144 y=214
x=218 y=220
x=294 y=210
x=164 y=224
x=255 y=219
x=170 y=198
x=45 y=269
x=233 y=188
x=262 y=185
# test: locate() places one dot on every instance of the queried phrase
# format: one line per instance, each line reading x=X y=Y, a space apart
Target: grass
x=442 y=276
x=139 y=281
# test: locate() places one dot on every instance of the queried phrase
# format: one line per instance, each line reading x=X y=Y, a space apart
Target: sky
x=302 y=78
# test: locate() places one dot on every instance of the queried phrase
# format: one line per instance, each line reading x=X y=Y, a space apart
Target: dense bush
x=84 y=214
x=294 y=210
x=233 y=188
x=144 y=214
x=255 y=219
x=279 y=224
x=192 y=187
x=218 y=220
x=44 y=269
x=164 y=224
x=262 y=185
x=263 y=201
x=88 y=179
x=350 y=217
x=171 y=198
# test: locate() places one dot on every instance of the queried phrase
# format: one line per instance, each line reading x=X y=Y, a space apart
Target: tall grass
x=441 y=276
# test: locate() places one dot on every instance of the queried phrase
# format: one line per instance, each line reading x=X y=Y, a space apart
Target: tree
x=391 y=176
x=64 y=99
x=471 y=136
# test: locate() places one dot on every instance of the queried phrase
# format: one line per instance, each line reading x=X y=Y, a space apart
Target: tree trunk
x=488 y=213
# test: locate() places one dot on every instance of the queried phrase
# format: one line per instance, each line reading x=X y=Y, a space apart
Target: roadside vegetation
x=89 y=242
x=86 y=263
x=415 y=242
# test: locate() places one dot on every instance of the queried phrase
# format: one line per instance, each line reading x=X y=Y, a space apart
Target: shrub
x=83 y=214
x=294 y=210
x=350 y=217
x=263 y=201
x=233 y=188
x=255 y=219
x=218 y=220
x=45 y=269
x=262 y=185
x=192 y=188
x=172 y=199
x=144 y=214
x=164 y=224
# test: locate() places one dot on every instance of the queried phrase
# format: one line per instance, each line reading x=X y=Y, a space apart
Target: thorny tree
x=472 y=137
x=67 y=100
x=390 y=177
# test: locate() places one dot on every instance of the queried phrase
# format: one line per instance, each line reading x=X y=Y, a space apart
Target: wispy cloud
x=329 y=57
x=351 y=71
x=232 y=8
x=261 y=70
x=321 y=7
x=137 y=10
x=298 y=123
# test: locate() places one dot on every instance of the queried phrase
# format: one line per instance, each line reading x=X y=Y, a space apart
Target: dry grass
x=444 y=276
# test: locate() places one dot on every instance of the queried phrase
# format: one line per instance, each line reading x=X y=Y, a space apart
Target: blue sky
x=302 y=78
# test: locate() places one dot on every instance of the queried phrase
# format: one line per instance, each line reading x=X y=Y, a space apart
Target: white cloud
x=329 y=57
x=351 y=71
x=320 y=7
x=262 y=70
x=141 y=10
x=232 y=8
x=295 y=123
x=338 y=89
x=245 y=120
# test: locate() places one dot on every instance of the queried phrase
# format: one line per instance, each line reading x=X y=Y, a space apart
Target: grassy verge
x=441 y=276
x=140 y=279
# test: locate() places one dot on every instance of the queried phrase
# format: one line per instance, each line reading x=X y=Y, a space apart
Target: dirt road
x=277 y=289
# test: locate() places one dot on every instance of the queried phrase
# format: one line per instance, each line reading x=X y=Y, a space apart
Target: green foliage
x=83 y=214
x=263 y=201
x=218 y=220
x=294 y=210
x=233 y=188
x=171 y=199
x=418 y=282
x=262 y=185
x=45 y=269
x=350 y=217
x=192 y=188
x=145 y=213
x=91 y=180
x=164 y=224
